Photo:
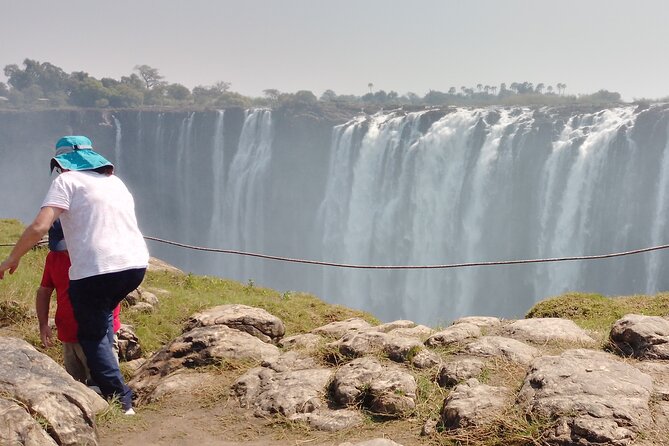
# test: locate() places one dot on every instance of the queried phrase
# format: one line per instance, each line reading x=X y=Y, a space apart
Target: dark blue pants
x=93 y=300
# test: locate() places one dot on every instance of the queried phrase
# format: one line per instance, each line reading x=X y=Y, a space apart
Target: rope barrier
x=355 y=266
x=446 y=266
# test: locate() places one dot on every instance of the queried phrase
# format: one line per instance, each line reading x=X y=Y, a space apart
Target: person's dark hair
x=106 y=170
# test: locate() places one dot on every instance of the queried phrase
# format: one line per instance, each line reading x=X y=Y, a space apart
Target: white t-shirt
x=99 y=223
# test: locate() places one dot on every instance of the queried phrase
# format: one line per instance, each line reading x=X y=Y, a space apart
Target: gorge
x=396 y=187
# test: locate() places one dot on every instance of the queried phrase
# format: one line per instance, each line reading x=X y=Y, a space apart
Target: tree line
x=44 y=85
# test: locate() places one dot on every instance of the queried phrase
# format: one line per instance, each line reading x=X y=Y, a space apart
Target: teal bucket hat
x=76 y=153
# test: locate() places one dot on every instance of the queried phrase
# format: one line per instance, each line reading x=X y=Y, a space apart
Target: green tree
x=133 y=81
x=178 y=92
x=305 y=97
x=124 y=96
x=222 y=86
x=149 y=75
x=328 y=96
x=87 y=91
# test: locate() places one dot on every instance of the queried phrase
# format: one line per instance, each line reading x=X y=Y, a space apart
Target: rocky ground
x=233 y=377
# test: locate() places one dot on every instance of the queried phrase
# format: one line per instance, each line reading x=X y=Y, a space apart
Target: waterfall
x=117 y=144
x=477 y=185
x=659 y=224
x=216 y=228
x=246 y=192
x=405 y=188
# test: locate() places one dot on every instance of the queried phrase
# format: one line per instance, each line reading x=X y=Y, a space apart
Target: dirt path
x=183 y=421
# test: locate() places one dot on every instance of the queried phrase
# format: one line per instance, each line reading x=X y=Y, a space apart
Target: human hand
x=46 y=335
x=9 y=264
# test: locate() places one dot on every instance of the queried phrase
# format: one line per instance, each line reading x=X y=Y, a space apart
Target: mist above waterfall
x=429 y=187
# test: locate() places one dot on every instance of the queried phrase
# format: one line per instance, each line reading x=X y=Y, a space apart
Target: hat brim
x=84 y=159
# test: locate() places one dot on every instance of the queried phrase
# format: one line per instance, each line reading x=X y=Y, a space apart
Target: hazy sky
x=343 y=45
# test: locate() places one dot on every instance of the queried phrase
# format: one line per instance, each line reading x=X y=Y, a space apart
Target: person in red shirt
x=55 y=277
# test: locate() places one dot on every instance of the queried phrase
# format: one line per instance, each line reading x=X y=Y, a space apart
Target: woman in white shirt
x=108 y=253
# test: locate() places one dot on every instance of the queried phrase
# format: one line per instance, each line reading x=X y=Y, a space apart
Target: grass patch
x=187 y=294
x=598 y=313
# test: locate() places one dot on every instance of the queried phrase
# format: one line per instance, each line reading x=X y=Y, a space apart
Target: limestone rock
x=548 y=329
x=352 y=379
x=372 y=442
x=454 y=334
x=419 y=331
x=141 y=295
x=480 y=321
x=425 y=359
x=199 y=347
x=306 y=341
x=162 y=266
x=474 y=404
x=358 y=344
x=386 y=390
x=291 y=360
x=285 y=393
x=17 y=427
x=429 y=427
x=44 y=389
x=389 y=326
x=142 y=307
x=340 y=328
x=128 y=344
x=402 y=349
x=459 y=370
x=330 y=420
x=254 y=321
x=507 y=348
x=596 y=398
x=180 y=382
x=645 y=337
x=134 y=365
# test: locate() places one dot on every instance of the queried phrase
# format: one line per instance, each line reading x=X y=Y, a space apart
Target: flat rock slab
x=17 y=427
x=474 y=404
x=254 y=321
x=419 y=331
x=306 y=341
x=340 y=328
x=162 y=266
x=425 y=359
x=388 y=326
x=180 y=382
x=268 y=392
x=330 y=420
x=129 y=348
x=454 y=334
x=372 y=442
x=459 y=370
x=507 y=348
x=549 y=329
x=644 y=337
x=200 y=347
x=356 y=344
x=480 y=321
x=596 y=398
x=383 y=389
x=41 y=387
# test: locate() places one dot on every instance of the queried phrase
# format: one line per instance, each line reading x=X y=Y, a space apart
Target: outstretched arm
x=33 y=234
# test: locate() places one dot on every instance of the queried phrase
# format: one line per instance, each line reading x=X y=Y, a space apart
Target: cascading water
x=428 y=187
x=478 y=185
x=246 y=192
x=118 y=144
